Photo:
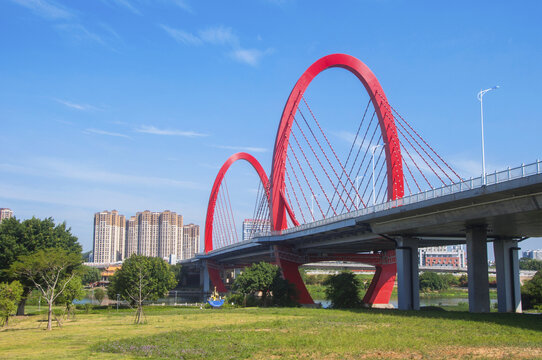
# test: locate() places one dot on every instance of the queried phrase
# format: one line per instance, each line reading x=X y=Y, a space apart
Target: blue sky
x=135 y=104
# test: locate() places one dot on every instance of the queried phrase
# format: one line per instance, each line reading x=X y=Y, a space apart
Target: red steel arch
x=385 y=118
x=216 y=187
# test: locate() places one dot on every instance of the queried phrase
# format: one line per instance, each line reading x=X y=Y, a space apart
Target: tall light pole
x=373 y=149
x=480 y=97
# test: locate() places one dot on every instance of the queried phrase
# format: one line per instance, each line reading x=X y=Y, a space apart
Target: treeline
x=37 y=255
x=530 y=264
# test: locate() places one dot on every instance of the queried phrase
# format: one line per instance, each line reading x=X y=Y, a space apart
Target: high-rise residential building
x=5 y=213
x=190 y=244
x=533 y=254
x=253 y=226
x=147 y=242
x=157 y=234
x=132 y=231
x=109 y=236
x=170 y=225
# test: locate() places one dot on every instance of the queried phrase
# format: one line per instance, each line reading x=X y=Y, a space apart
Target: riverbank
x=272 y=333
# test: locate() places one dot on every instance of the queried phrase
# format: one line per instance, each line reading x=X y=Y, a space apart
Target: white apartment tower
x=190 y=245
x=5 y=213
x=157 y=234
x=147 y=242
x=171 y=225
x=109 y=236
x=132 y=231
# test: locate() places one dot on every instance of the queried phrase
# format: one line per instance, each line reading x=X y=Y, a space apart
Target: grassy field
x=271 y=333
x=317 y=291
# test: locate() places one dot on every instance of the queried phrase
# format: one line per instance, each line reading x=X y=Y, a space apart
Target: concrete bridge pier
x=477 y=269
x=204 y=278
x=408 y=288
x=508 y=285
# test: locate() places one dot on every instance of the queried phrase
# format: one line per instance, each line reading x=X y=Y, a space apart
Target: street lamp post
x=373 y=149
x=118 y=296
x=480 y=97
x=175 y=297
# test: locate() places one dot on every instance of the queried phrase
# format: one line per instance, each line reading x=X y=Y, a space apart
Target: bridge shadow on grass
x=523 y=321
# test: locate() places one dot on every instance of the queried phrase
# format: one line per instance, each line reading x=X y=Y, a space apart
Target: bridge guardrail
x=473 y=183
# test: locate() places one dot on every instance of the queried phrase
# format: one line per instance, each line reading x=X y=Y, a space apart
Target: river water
x=433 y=301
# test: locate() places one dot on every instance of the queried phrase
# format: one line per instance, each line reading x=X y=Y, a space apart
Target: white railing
x=472 y=183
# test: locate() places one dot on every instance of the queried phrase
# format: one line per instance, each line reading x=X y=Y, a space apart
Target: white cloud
x=241 y=148
x=46 y=9
x=103 y=132
x=219 y=35
x=79 y=33
x=349 y=137
x=249 y=56
x=182 y=36
x=169 y=132
x=57 y=168
x=127 y=5
x=182 y=4
x=72 y=105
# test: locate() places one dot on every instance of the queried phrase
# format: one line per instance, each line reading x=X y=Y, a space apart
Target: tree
x=142 y=278
x=257 y=278
x=178 y=271
x=50 y=270
x=24 y=238
x=283 y=291
x=99 y=294
x=89 y=275
x=72 y=291
x=10 y=294
x=530 y=264
x=343 y=290
x=432 y=281
x=531 y=292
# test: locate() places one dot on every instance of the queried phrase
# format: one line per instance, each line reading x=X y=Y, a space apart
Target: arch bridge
x=375 y=201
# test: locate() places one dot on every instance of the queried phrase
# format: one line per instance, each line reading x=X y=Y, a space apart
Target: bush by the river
x=531 y=293
x=343 y=290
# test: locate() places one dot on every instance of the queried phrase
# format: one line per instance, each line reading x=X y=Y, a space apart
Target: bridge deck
x=511 y=209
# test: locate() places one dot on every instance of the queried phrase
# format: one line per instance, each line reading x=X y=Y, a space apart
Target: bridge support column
x=210 y=275
x=477 y=269
x=508 y=285
x=381 y=287
x=408 y=287
x=204 y=278
x=289 y=264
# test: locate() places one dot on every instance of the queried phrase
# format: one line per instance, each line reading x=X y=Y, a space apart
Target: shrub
x=430 y=281
x=531 y=292
x=343 y=290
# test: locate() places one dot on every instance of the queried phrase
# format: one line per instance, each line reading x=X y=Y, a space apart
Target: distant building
x=157 y=234
x=109 y=271
x=253 y=226
x=132 y=233
x=190 y=244
x=109 y=236
x=171 y=232
x=442 y=256
x=5 y=213
x=147 y=239
x=533 y=254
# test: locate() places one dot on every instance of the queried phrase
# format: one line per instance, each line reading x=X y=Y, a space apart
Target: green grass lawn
x=272 y=333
